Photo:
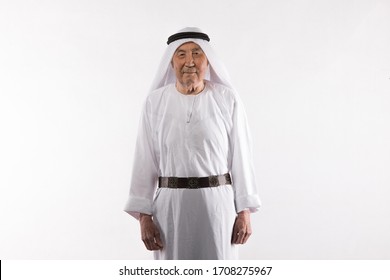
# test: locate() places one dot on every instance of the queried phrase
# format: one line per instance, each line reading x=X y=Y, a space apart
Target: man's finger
x=241 y=237
x=247 y=235
x=238 y=236
x=158 y=241
x=146 y=245
x=234 y=237
x=151 y=245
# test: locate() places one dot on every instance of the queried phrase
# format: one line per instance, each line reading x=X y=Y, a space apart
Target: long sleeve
x=145 y=172
x=242 y=168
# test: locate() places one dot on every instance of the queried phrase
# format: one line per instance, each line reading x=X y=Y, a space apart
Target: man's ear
x=172 y=63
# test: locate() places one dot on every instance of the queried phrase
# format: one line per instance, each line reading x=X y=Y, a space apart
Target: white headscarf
x=216 y=70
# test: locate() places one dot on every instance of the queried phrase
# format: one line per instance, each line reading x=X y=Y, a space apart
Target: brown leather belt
x=194 y=182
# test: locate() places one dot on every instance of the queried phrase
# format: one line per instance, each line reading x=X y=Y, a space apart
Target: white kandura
x=215 y=141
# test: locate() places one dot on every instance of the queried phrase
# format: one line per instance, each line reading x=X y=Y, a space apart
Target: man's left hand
x=242 y=228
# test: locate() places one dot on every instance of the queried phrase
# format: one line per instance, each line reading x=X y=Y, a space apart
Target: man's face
x=190 y=64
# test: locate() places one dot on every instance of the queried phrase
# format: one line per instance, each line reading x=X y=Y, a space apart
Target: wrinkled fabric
x=195 y=224
x=193 y=136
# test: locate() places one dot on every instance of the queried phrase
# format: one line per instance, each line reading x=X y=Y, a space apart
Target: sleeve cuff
x=250 y=202
x=136 y=205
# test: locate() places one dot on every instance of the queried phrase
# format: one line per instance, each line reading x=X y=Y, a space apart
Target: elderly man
x=193 y=182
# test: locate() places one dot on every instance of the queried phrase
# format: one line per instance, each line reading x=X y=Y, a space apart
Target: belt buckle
x=163 y=181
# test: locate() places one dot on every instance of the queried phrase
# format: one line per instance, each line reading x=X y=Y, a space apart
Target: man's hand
x=242 y=228
x=149 y=233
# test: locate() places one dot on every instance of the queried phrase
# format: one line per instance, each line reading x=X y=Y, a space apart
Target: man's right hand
x=149 y=233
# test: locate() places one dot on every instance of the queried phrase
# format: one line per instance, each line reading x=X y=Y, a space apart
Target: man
x=194 y=147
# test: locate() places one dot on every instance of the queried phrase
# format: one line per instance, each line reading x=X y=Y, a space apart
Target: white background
x=314 y=76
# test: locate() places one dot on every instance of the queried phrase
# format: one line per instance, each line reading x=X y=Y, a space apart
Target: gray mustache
x=189 y=70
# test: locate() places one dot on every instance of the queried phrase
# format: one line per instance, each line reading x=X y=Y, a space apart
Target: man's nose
x=189 y=60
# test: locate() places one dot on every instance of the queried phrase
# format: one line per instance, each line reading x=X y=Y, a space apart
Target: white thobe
x=193 y=136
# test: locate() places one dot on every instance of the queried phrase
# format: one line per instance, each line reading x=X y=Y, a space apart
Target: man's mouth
x=189 y=71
